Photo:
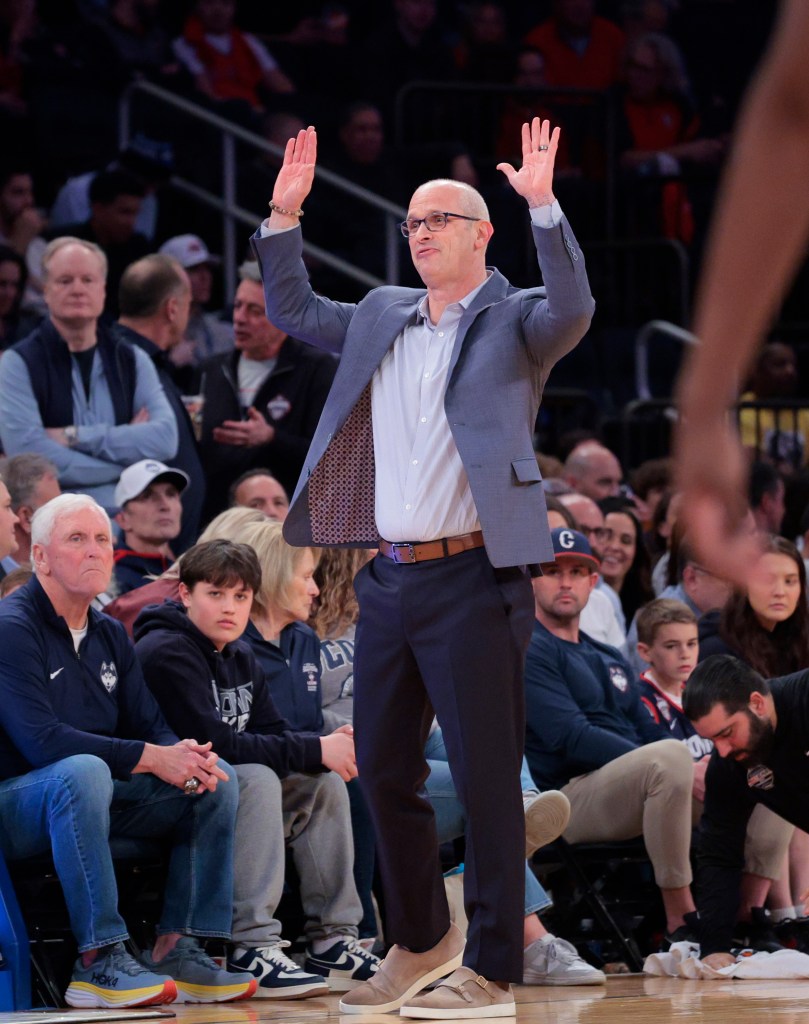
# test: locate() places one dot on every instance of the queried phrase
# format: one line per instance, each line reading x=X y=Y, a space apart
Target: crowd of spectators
x=654 y=92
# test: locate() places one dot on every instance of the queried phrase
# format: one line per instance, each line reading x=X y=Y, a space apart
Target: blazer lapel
x=362 y=362
x=493 y=291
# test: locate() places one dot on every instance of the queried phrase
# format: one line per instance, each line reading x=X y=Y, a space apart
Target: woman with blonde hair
x=286 y=647
x=289 y=652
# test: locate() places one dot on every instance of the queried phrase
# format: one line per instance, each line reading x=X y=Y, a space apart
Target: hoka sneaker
x=198 y=978
x=278 y=977
x=116 y=979
x=343 y=965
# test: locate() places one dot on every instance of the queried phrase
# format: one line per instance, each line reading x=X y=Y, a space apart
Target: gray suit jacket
x=506 y=344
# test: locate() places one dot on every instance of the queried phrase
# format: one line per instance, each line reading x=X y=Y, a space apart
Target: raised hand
x=294 y=181
x=534 y=180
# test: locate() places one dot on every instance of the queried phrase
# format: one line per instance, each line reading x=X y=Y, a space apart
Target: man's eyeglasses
x=597 y=532
x=435 y=222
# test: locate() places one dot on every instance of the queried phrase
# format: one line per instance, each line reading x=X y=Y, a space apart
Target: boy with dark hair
x=204 y=676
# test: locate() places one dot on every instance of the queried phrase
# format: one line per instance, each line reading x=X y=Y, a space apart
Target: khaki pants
x=766 y=843
x=645 y=792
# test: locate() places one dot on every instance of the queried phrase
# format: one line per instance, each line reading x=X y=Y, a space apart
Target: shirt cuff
x=546 y=216
x=266 y=230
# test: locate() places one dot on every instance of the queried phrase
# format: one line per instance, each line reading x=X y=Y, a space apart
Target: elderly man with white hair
x=86 y=754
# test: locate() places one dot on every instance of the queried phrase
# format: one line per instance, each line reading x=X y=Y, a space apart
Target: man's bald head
x=592 y=470
x=469 y=201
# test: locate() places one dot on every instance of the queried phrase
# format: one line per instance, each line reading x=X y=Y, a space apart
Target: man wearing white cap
x=207 y=333
x=150 y=510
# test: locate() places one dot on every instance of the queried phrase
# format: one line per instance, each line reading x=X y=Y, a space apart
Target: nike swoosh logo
x=56 y=673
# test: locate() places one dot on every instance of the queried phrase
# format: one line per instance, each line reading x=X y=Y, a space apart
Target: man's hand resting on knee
x=180 y=762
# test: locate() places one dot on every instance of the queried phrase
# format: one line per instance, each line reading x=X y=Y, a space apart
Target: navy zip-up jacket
x=221 y=696
x=292 y=671
x=55 y=703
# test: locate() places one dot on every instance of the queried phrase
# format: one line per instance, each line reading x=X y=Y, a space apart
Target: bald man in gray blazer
x=424 y=451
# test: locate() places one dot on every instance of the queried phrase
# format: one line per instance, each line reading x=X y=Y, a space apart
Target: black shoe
x=688 y=932
x=793 y=933
x=759 y=933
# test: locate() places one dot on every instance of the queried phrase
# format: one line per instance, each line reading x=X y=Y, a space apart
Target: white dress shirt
x=422 y=490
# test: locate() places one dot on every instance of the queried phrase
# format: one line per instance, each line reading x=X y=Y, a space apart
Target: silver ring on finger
x=191 y=786
x=542 y=147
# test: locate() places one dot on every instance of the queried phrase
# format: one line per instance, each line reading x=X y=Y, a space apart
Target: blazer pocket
x=526 y=471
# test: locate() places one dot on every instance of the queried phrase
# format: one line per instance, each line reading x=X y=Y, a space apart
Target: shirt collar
x=454 y=307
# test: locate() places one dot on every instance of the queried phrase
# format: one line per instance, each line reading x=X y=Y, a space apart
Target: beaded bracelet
x=287 y=213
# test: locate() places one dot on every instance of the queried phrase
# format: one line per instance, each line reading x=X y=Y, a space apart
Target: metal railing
x=227 y=205
x=644 y=336
x=775 y=429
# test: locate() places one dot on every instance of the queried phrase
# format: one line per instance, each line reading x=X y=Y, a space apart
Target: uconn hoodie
x=221 y=696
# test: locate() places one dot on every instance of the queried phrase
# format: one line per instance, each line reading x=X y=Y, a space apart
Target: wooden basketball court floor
x=625 y=999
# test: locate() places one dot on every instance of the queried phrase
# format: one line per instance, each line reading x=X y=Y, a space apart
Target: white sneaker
x=552 y=961
x=278 y=977
x=546 y=818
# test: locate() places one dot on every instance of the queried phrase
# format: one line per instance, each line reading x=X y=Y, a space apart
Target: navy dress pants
x=447 y=636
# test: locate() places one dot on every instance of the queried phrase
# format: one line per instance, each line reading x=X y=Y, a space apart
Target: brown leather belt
x=404 y=551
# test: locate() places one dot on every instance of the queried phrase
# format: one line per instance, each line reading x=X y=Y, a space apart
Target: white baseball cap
x=137 y=477
x=188 y=250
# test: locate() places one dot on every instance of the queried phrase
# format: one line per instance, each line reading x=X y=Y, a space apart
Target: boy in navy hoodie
x=290 y=791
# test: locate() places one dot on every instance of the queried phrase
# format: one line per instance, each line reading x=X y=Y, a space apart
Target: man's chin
x=77 y=321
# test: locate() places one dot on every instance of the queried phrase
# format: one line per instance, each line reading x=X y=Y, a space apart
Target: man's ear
x=185 y=594
x=39 y=560
x=643 y=651
x=758 y=704
x=484 y=232
x=25 y=514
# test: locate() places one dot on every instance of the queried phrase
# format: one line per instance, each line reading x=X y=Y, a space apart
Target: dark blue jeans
x=73 y=806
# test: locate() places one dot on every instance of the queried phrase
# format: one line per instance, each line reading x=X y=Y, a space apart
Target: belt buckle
x=397 y=545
